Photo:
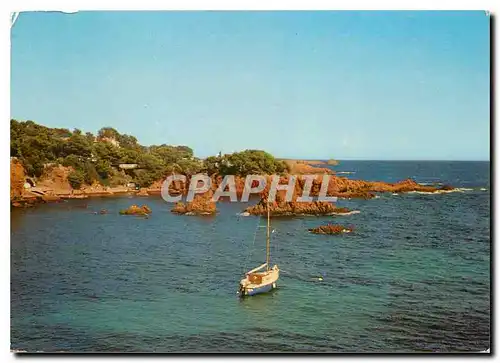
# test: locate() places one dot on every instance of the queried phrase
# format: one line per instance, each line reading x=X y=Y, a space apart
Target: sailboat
x=263 y=278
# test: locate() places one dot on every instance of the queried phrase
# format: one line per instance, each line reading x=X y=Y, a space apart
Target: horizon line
x=363 y=159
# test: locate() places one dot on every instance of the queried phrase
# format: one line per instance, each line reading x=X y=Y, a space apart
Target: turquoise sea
x=414 y=276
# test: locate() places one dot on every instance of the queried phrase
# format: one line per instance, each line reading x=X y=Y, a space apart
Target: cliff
x=54 y=179
x=19 y=196
x=17 y=179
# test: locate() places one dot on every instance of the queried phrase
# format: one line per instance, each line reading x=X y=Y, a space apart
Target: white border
x=61 y=5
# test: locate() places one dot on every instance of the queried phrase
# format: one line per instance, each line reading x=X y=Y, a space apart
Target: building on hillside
x=111 y=140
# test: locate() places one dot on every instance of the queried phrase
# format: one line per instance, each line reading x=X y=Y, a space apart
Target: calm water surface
x=415 y=275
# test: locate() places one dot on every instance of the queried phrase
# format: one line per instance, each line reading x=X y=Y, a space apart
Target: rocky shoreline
x=56 y=188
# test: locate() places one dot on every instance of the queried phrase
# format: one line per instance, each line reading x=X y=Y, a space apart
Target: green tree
x=108 y=132
x=76 y=179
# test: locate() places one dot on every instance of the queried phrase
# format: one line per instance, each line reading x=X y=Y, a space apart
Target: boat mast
x=268 y=249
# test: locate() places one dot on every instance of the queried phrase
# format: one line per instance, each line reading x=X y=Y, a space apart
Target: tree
x=211 y=164
x=171 y=154
x=247 y=162
x=103 y=168
x=75 y=179
x=93 y=160
x=79 y=145
x=90 y=137
x=107 y=132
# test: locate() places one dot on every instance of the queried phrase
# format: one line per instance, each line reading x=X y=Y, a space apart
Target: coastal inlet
x=413 y=277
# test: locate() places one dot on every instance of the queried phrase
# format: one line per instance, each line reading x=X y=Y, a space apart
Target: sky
x=311 y=85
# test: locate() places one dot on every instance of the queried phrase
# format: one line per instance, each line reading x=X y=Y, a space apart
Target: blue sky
x=346 y=85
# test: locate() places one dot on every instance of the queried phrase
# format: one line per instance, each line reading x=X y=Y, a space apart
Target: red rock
x=136 y=210
x=202 y=204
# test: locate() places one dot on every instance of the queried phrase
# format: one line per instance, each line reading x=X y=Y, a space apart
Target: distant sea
x=413 y=277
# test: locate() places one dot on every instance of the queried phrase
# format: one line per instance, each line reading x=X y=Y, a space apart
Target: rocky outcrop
x=297 y=167
x=143 y=192
x=137 y=211
x=447 y=188
x=50 y=198
x=295 y=208
x=404 y=186
x=342 y=187
x=17 y=179
x=202 y=204
x=19 y=196
x=55 y=179
x=339 y=187
x=26 y=201
x=177 y=187
x=281 y=207
x=331 y=229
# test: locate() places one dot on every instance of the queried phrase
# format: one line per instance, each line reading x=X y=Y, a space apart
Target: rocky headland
x=340 y=187
x=53 y=186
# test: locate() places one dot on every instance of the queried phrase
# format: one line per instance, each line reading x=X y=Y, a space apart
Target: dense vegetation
x=96 y=158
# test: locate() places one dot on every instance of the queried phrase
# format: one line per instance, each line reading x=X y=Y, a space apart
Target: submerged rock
x=331 y=229
x=446 y=187
x=143 y=192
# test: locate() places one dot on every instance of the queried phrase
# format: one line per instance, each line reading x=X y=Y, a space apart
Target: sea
x=414 y=276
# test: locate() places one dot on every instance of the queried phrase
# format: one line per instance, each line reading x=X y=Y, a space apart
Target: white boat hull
x=249 y=287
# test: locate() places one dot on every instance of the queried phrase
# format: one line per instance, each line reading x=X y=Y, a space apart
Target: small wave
x=395 y=194
x=415 y=192
x=483 y=189
x=346 y=213
x=456 y=190
x=243 y=214
x=345 y=172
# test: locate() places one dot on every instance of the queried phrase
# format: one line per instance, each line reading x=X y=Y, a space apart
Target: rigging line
x=247 y=260
x=277 y=244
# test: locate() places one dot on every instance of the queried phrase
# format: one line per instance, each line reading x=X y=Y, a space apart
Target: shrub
x=76 y=179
